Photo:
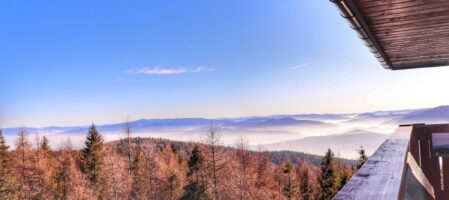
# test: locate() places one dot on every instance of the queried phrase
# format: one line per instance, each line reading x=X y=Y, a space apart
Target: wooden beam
x=382 y=176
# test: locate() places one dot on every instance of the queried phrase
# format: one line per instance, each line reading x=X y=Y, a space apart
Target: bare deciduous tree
x=215 y=158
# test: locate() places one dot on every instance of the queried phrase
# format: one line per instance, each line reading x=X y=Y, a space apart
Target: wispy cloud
x=308 y=63
x=167 y=70
x=199 y=69
x=157 y=71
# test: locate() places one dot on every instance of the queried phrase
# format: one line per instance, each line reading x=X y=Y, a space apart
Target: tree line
x=144 y=168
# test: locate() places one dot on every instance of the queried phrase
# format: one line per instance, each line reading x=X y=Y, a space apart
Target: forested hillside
x=146 y=168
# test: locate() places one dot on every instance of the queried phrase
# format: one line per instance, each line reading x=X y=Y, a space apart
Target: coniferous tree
x=290 y=189
x=129 y=150
x=69 y=182
x=196 y=163
x=112 y=173
x=306 y=189
x=151 y=167
x=172 y=179
x=242 y=168
x=8 y=187
x=264 y=178
x=63 y=177
x=197 y=188
x=160 y=170
x=215 y=159
x=139 y=176
x=24 y=166
x=45 y=147
x=92 y=160
x=174 y=185
x=194 y=191
x=329 y=180
x=261 y=168
x=49 y=168
x=362 y=157
x=42 y=168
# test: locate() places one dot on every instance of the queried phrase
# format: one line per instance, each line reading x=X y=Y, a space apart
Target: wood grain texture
x=382 y=176
x=412 y=33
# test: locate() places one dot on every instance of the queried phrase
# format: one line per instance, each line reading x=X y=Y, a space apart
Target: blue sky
x=70 y=63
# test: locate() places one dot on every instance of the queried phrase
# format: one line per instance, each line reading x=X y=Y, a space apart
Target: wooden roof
x=402 y=34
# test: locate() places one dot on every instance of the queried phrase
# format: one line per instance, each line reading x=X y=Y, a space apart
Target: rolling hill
x=345 y=143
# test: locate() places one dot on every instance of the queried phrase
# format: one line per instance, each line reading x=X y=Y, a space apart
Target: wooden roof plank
x=400 y=6
x=409 y=33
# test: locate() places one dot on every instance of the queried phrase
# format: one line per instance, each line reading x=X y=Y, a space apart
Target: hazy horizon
x=299 y=132
x=130 y=118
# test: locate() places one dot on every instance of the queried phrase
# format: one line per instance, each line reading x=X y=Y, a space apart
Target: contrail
x=307 y=64
x=314 y=62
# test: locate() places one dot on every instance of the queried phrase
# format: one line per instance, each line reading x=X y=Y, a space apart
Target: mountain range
x=311 y=133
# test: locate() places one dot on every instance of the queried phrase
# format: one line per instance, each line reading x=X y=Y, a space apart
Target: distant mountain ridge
x=286 y=121
x=438 y=114
x=310 y=133
x=143 y=124
x=428 y=115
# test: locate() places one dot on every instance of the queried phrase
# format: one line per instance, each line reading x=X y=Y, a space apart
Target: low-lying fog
x=306 y=133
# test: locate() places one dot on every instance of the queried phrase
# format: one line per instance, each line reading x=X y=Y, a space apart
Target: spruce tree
x=362 y=157
x=196 y=188
x=45 y=147
x=306 y=189
x=139 y=177
x=329 y=181
x=195 y=163
x=290 y=189
x=92 y=160
x=8 y=189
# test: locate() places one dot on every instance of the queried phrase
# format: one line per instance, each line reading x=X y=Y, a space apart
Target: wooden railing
x=390 y=173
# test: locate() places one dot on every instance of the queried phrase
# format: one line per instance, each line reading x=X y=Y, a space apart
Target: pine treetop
x=3 y=146
x=196 y=159
x=4 y=154
x=92 y=157
x=362 y=157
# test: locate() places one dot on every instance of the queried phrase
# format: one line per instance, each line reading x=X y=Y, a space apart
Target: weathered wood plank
x=429 y=18
x=388 y=4
x=403 y=31
x=381 y=177
x=397 y=7
x=406 y=30
x=429 y=25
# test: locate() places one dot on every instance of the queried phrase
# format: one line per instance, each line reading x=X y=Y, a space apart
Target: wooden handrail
x=383 y=175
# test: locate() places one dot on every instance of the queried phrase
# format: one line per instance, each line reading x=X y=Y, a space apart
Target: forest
x=149 y=168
